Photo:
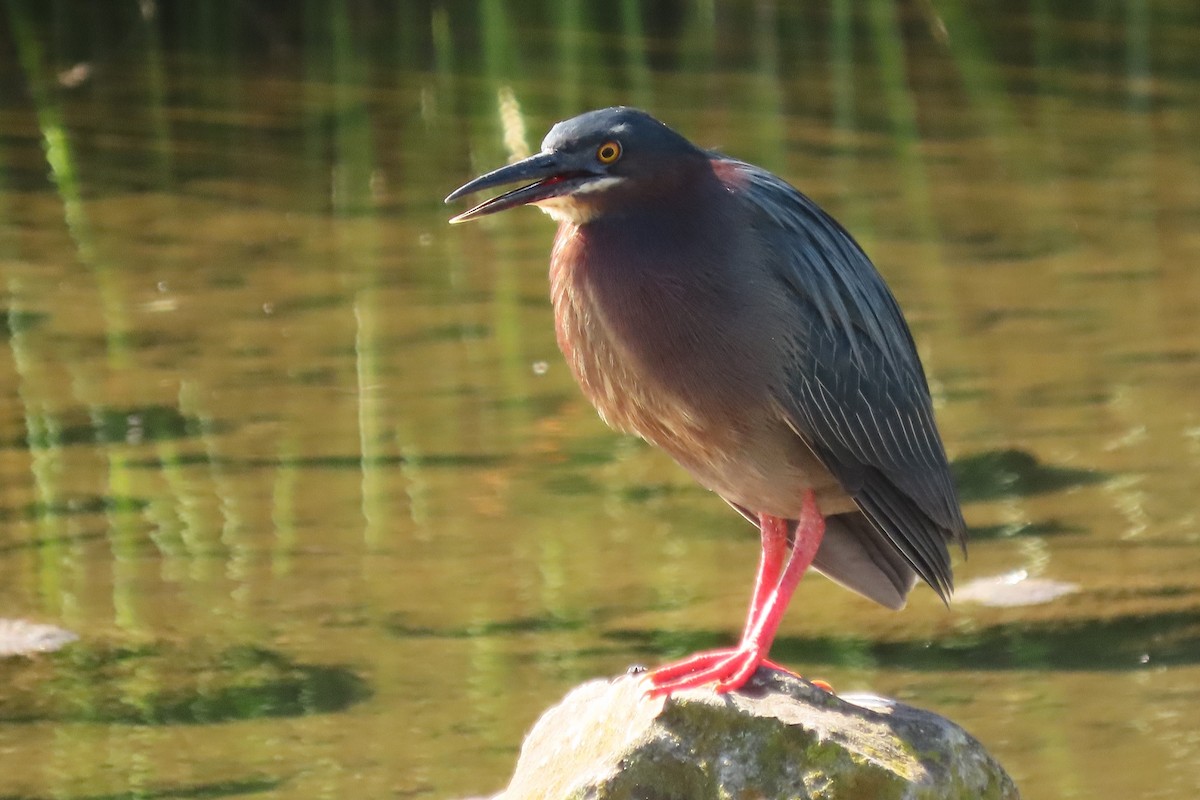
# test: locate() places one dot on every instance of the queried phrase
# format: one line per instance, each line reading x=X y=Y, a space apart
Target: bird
x=709 y=307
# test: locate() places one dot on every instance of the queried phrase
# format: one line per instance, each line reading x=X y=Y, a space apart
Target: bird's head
x=592 y=164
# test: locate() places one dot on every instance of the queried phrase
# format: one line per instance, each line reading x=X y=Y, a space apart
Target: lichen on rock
x=780 y=737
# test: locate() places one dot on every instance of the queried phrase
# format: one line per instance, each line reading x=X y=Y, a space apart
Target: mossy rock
x=779 y=737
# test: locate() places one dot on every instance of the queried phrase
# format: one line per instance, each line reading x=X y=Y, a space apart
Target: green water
x=301 y=464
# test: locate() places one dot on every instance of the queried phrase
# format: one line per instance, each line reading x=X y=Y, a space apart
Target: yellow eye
x=608 y=152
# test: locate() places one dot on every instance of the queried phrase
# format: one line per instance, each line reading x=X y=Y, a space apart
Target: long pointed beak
x=549 y=176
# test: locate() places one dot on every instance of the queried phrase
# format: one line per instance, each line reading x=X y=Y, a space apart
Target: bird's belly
x=766 y=469
x=655 y=367
x=743 y=450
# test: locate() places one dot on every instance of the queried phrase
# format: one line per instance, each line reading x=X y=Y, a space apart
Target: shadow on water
x=1122 y=643
x=990 y=475
x=335 y=462
x=14 y=321
x=1021 y=530
x=502 y=627
x=102 y=425
x=69 y=507
x=401 y=627
x=52 y=542
x=196 y=791
x=1014 y=473
x=164 y=684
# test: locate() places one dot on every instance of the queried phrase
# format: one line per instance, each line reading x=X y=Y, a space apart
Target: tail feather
x=854 y=554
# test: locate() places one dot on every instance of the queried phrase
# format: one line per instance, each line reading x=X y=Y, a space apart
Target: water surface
x=301 y=464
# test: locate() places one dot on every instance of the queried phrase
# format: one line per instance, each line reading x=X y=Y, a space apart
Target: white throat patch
x=569 y=208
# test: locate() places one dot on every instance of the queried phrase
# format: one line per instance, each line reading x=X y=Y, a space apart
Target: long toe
x=727 y=669
x=742 y=668
x=697 y=662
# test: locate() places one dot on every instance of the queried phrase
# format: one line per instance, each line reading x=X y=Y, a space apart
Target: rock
x=20 y=637
x=780 y=737
x=1012 y=589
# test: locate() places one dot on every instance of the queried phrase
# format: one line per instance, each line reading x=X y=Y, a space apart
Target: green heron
x=710 y=308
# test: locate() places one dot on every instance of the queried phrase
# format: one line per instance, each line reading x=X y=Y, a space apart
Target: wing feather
x=856 y=391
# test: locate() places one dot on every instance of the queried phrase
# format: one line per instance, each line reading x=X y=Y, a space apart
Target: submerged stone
x=20 y=637
x=779 y=737
x=1016 y=588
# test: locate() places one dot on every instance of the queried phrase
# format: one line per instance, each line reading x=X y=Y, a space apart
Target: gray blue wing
x=856 y=391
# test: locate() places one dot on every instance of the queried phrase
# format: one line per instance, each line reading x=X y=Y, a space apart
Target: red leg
x=770 y=564
x=756 y=642
x=732 y=667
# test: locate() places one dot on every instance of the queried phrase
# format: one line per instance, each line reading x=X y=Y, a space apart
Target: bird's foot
x=728 y=668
